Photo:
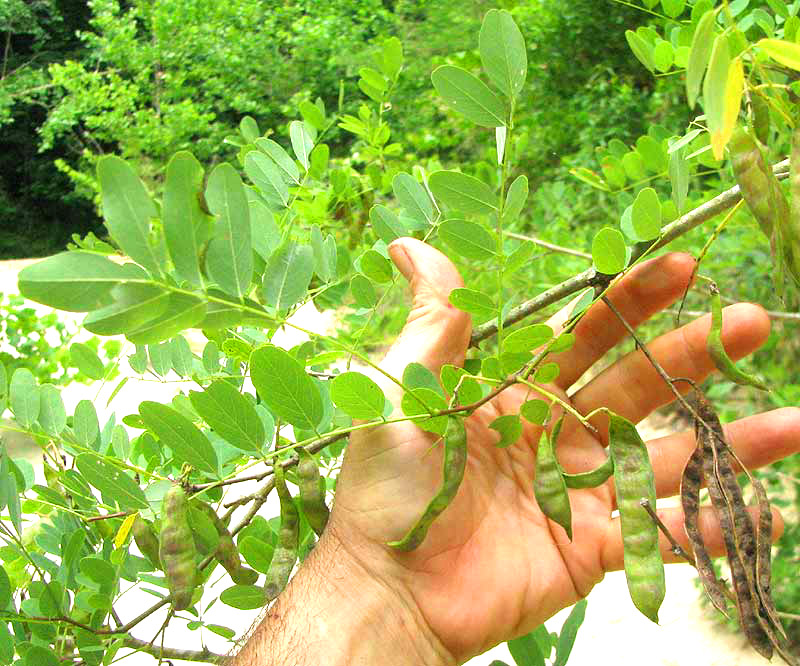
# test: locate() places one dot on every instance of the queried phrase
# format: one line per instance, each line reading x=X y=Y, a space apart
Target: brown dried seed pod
x=691 y=481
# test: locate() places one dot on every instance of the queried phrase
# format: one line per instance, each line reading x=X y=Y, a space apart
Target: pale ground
x=612 y=632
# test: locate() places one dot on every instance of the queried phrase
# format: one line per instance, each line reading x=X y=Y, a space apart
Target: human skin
x=493 y=567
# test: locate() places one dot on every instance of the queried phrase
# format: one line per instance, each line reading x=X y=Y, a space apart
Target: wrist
x=337 y=612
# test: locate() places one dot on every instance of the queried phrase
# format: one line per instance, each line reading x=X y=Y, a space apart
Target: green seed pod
x=226 y=551
x=177 y=550
x=146 y=540
x=591 y=479
x=285 y=553
x=758 y=184
x=716 y=349
x=761 y=119
x=634 y=481
x=453 y=466
x=549 y=487
x=312 y=492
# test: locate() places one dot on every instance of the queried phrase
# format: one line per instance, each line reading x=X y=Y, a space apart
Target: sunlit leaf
x=502 y=50
x=462 y=192
x=187 y=442
x=357 y=395
x=284 y=386
x=467 y=94
x=232 y=416
x=229 y=258
x=186 y=225
x=111 y=481
x=468 y=239
x=128 y=210
x=609 y=251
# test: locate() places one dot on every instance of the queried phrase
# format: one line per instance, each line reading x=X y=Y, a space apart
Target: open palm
x=493 y=566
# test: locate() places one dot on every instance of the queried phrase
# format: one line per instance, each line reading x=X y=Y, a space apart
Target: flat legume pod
x=455 y=461
x=634 y=481
x=146 y=540
x=226 y=551
x=285 y=554
x=716 y=349
x=312 y=492
x=549 y=487
x=177 y=549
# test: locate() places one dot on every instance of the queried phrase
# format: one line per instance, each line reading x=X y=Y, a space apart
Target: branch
x=670 y=232
x=204 y=655
x=549 y=246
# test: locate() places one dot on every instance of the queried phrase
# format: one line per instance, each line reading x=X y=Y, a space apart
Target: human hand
x=493 y=566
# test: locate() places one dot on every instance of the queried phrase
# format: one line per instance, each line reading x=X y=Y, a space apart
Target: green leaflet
x=468 y=95
x=287 y=275
x=462 y=192
x=187 y=442
x=231 y=415
x=115 y=484
x=502 y=50
x=52 y=415
x=646 y=214
x=182 y=311
x=302 y=141
x=25 y=397
x=478 y=304
x=86 y=360
x=468 y=239
x=76 y=281
x=128 y=210
x=282 y=383
x=133 y=306
x=282 y=159
x=186 y=226
x=376 y=267
x=229 y=259
x=357 y=395
x=86 y=425
x=413 y=198
x=386 y=224
x=609 y=251
x=267 y=177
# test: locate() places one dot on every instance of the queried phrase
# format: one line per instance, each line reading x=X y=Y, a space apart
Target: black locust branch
x=589 y=277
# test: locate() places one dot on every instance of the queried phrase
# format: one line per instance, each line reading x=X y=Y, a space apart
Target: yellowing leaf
x=715 y=84
x=734 y=88
x=124 y=530
x=786 y=53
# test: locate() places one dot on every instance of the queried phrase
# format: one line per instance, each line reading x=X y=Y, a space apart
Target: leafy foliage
x=235 y=249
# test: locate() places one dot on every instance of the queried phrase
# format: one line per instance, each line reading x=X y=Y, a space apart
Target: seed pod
x=312 y=492
x=285 y=553
x=716 y=349
x=760 y=117
x=453 y=466
x=177 y=550
x=549 y=487
x=146 y=540
x=591 y=479
x=691 y=481
x=760 y=189
x=736 y=526
x=634 y=481
x=226 y=551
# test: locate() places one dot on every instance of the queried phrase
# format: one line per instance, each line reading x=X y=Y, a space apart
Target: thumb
x=435 y=332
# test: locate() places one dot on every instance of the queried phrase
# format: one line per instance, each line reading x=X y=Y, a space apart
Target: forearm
x=335 y=613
